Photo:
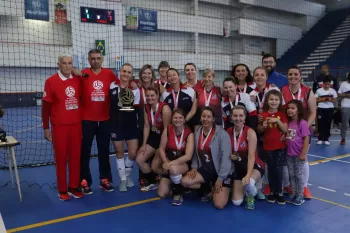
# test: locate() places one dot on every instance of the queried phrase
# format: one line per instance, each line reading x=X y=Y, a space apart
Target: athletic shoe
x=250 y=203
x=280 y=199
x=142 y=183
x=307 y=193
x=106 y=185
x=177 y=200
x=75 y=192
x=129 y=182
x=122 y=186
x=271 y=198
x=150 y=187
x=260 y=195
x=342 y=142
x=287 y=190
x=290 y=200
x=319 y=142
x=327 y=143
x=85 y=188
x=267 y=190
x=64 y=196
x=298 y=200
x=206 y=197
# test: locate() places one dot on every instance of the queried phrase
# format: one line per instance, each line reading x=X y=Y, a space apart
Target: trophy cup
x=2 y=132
x=126 y=100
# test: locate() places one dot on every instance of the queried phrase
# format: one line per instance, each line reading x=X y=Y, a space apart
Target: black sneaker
x=280 y=199
x=106 y=185
x=271 y=198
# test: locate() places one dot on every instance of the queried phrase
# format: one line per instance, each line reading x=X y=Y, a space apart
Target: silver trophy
x=2 y=132
x=126 y=100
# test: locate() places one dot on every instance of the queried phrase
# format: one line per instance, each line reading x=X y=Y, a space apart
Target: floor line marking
x=331 y=202
x=346 y=194
x=63 y=219
x=331 y=190
x=326 y=159
x=309 y=184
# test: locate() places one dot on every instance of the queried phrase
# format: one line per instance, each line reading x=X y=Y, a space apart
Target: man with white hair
x=61 y=107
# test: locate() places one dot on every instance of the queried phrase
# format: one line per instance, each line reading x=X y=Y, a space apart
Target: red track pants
x=67 y=145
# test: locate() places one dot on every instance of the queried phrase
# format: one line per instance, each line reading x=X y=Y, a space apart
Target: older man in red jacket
x=61 y=106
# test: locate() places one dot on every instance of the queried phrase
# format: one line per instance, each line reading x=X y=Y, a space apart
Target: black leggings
x=276 y=160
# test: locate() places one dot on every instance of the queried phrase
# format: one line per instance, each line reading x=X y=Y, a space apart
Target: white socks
x=124 y=168
x=176 y=179
x=250 y=188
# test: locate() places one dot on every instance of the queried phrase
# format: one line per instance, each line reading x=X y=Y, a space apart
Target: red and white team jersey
x=260 y=95
x=210 y=98
x=242 y=99
x=176 y=142
x=64 y=95
x=95 y=94
x=302 y=95
x=242 y=142
x=155 y=118
x=273 y=137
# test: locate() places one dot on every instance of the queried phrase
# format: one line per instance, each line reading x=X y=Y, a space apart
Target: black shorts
x=154 y=140
x=241 y=168
x=124 y=130
x=211 y=178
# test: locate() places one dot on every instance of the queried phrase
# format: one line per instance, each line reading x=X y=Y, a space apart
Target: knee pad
x=176 y=179
x=237 y=202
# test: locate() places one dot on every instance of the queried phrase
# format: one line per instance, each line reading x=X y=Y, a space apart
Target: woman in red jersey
x=297 y=90
x=208 y=95
x=157 y=117
x=175 y=153
x=61 y=107
x=248 y=167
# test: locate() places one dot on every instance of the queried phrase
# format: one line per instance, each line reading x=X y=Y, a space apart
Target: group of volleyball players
x=184 y=136
x=194 y=135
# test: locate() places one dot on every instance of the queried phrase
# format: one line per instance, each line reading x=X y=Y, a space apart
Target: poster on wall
x=101 y=45
x=61 y=11
x=131 y=17
x=147 y=20
x=36 y=9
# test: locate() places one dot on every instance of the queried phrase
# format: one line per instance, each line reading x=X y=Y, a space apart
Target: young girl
x=297 y=140
x=274 y=126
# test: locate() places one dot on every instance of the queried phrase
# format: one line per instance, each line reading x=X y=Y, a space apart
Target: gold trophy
x=126 y=100
x=2 y=132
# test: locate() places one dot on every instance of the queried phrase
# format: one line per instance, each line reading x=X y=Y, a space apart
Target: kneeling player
x=175 y=152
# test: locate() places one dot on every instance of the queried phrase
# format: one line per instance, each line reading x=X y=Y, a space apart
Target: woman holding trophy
x=124 y=112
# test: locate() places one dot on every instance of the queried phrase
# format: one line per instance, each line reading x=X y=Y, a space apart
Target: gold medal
x=154 y=128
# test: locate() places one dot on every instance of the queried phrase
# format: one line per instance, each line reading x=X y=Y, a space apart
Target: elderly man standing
x=61 y=107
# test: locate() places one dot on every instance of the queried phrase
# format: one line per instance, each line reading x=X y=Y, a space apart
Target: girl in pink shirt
x=297 y=139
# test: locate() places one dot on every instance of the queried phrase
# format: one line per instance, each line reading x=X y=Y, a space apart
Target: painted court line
x=327 y=159
x=327 y=189
x=331 y=202
x=346 y=194
x=40 y=224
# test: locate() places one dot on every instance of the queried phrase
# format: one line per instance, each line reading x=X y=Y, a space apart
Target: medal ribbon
x=299 y=93
x=237 y=142
x=202 y=143
x=207 y=101
x=152 y=114
x=175 y=98
x=179 y=143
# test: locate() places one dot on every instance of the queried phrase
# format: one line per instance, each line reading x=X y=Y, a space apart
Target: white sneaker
x=327 y=143
x=319 y=142
x=129 y=182
x=122 y=186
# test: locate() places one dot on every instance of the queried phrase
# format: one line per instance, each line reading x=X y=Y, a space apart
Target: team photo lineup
x=241 y=140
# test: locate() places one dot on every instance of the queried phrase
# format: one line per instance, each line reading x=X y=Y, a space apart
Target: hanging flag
x=36 y=9
x=119 y=61
x=101 y=45
x=61 y=11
